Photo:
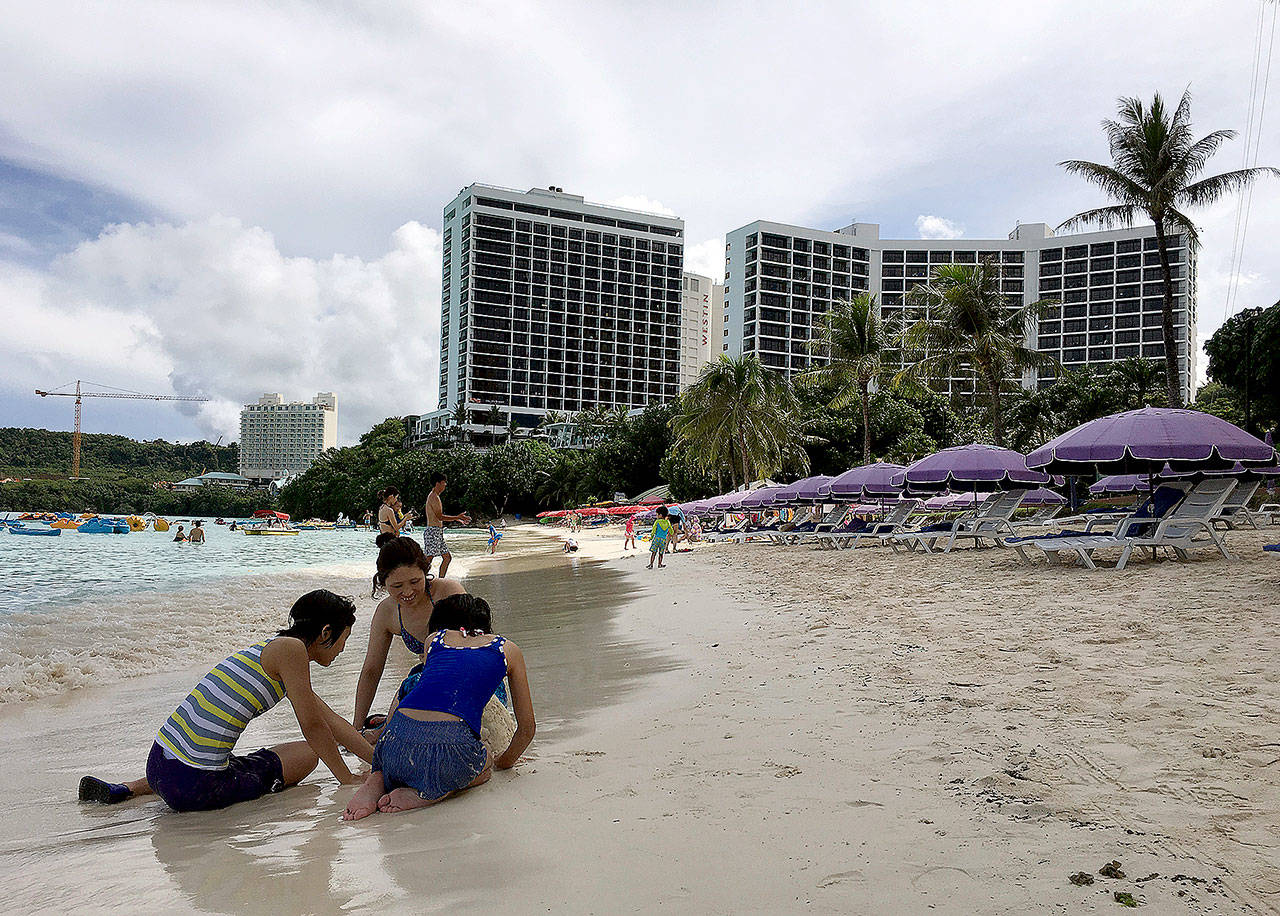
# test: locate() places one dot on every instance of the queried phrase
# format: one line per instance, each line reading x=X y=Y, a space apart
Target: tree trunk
x=746 y=467
x=1172 y=376
x=997 y=412
x=866 y=425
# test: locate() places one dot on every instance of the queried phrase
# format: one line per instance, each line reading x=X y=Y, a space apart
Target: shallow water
x=84 y=609
x=290 y=852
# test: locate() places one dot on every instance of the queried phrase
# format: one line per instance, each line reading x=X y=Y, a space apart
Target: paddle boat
x=272 y=523
x=103 y=526
x=15 y=527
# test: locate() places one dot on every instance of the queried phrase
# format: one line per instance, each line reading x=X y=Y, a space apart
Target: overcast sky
x=237 y=198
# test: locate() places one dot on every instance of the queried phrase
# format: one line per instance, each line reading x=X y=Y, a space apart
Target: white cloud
x=935 y=227
x=706 y=258
x=214 y=308
x=642 y=203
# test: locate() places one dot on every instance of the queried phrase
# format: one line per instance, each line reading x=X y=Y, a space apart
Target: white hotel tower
x=780 y=280
x=552 y=303
x=278 y=440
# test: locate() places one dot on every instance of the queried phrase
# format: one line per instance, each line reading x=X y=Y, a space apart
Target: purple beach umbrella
x=972 y=467
x=802 y=491
x=762 y=497
x=1142 y=441
x=1121 y=483
x=1043 y=497
x=867 y=481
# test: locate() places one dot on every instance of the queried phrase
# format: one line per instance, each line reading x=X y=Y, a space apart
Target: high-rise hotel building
x=552 y=303
x=701 y=323
x=279 y=440
x=780 y=280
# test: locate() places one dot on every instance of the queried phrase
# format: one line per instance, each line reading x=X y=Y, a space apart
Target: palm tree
x=1154 y=165
x=741 y=415
x=962 y=323
x=857 y=345
x=1138 y=376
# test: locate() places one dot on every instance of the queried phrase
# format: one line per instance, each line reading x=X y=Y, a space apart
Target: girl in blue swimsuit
x=431 y=748
x=412 y=593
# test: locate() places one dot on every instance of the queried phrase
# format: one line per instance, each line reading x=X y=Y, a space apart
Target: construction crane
x=78 y=394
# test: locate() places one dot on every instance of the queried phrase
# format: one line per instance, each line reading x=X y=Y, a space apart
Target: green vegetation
x=121 y=475
x=45 y=453
x=858 y=347
x=741 y=417
x=962 y=324
x=1155 y=162
x=129 y=496
x=1244 y=361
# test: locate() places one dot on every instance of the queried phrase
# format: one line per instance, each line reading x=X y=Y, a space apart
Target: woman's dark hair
x=381 y=540
x=316 y=610
x=397 y=552
x=389 y=491
x=461 y=612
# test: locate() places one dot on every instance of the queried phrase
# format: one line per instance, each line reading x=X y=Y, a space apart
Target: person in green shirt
x=661 y=535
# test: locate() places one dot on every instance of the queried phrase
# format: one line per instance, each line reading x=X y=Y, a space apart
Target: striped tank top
x=205 y=727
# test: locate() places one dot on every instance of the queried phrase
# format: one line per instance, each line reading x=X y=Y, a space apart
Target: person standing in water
x=197 y=533
x=191 y=765
x=433 y=544
x=494 y=537
x=388 y=519
x=180 y=536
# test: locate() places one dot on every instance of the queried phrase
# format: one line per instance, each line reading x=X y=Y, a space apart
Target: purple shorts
x=186 y=788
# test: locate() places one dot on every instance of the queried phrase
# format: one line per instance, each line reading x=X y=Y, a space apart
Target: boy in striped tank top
x=192 y=766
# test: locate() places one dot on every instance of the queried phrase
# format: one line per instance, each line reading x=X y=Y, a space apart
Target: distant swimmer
x=433 y=544
x=431 y=747
x=192 y=766
x=180 y=536
x=197 y=534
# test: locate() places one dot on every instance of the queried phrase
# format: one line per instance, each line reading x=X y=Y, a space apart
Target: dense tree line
x=43 y=452
x=129 y=496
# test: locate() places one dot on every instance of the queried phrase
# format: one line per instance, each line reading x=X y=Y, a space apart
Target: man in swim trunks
x=433 y=544
x=197 y=533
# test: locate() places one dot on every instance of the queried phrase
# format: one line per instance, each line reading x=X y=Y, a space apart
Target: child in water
x=430 y=748
x=192 y=766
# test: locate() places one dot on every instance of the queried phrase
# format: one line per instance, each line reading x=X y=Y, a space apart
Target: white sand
x=855 y=732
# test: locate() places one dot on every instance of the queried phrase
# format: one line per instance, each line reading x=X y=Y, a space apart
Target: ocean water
x=84 y=609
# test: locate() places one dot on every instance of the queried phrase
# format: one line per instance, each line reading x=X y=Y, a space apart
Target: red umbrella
x=592 y=511
x=625 y=510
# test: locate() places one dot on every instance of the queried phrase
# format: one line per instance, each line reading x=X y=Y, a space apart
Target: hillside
x=46 y=453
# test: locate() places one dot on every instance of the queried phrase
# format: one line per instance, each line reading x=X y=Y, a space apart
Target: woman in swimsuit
x=412 y=593
x=431 y=746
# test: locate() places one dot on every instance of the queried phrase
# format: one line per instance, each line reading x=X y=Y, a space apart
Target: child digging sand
x=191 y=765
x=430 y=748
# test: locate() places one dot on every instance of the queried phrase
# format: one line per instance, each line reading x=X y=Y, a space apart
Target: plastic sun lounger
x=991 y=521
x=797 y=534
x=1177 y=530
x=1235 y=511
x=1038 y=519
x=883 y=532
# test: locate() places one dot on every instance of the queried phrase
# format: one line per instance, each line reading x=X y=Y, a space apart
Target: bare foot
x=365 y=801
x=402 y=799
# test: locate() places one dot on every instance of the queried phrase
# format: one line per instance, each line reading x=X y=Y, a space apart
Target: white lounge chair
x=801 y=532
x=990 y=521
x=881 y=532
x=1235 y=511
x=1037 y=519
x=1177 y=530
x=1270 y=510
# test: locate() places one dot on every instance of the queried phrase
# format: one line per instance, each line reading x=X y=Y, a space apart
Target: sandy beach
x=752 y=729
